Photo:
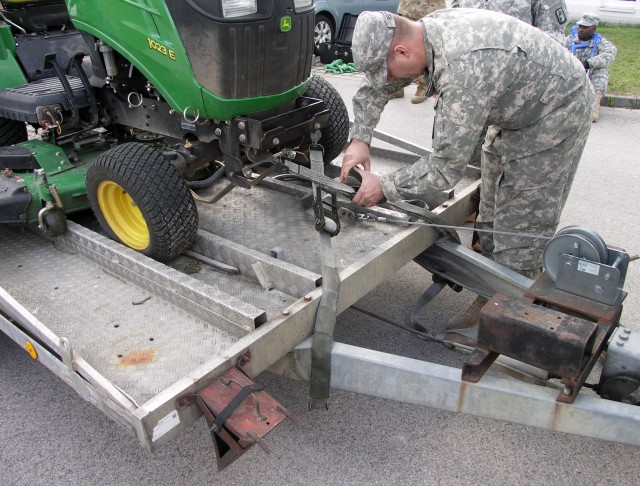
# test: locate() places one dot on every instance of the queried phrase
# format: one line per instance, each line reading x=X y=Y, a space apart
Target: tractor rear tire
x=140 y=200
x=334 y=137
x=12 y=132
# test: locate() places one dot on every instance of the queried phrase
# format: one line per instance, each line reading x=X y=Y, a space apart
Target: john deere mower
x=123 y=106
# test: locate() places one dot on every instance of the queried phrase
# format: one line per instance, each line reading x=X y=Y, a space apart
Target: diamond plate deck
x=142 y=346
x=156 y=331
x=261 y=219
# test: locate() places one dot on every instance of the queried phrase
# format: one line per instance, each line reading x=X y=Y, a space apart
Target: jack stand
x=239 y=414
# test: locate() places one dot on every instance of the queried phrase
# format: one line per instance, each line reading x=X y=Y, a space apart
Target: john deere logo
x=285 y=23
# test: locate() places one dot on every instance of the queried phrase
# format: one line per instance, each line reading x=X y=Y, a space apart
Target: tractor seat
x=21 y=103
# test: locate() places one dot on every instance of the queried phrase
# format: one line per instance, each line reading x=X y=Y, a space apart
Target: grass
x=624 y=73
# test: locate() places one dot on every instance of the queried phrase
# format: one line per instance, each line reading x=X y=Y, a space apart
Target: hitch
x=239 y=414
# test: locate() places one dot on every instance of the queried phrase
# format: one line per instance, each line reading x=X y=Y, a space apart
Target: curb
x=617 y=101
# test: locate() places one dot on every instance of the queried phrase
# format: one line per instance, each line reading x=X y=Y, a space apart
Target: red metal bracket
x=239 y=414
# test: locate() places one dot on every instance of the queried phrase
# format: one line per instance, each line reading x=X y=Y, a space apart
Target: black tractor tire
x=334 y=137
x=323 y=32
x=140 y=200
x=12 y=132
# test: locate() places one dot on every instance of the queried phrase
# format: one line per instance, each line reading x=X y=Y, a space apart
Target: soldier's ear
x=401 y=50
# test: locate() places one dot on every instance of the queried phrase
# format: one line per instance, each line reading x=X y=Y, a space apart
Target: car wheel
x=322 y=32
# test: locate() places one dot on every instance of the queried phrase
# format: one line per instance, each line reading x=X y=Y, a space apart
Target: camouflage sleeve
x=599 y=64
x=606 y=54
x=550 y=16
x=469 y=4
x=460 y=116
x=416 y=9
x=368 y=104
x=599 y=79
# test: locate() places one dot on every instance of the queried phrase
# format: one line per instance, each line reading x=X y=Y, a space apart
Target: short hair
x=403 y=31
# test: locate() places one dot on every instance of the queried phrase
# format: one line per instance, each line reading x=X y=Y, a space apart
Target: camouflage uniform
x=599 y=63
x=491 y=69
x=549 y=16
x=416 y=9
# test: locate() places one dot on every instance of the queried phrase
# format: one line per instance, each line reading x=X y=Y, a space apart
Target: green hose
x=339 y=66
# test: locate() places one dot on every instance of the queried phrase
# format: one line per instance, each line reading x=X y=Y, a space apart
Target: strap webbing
x=327 y=310
x=233 y=404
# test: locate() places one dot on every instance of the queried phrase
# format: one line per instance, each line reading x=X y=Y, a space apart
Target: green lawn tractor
x=124 y=106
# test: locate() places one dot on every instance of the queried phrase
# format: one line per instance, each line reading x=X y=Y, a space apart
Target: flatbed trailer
x=134 y=336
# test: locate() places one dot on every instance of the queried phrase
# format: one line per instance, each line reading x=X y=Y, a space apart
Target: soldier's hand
x=357 y=154
x=370 y=191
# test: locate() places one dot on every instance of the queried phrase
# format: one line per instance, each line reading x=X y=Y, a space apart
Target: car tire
x=323 y=31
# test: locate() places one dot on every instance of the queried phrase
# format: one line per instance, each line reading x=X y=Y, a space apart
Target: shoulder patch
x=561 y=16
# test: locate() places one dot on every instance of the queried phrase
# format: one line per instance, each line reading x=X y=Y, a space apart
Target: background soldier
x=549 y=16
x=594 y=52
x=535 y=97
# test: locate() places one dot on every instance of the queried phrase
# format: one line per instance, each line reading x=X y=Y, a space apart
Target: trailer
x=155 y=346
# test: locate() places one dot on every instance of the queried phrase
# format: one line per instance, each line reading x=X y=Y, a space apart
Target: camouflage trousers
x=525 y=195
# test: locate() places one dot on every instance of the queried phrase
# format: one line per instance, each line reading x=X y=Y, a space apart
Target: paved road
x=50 y=436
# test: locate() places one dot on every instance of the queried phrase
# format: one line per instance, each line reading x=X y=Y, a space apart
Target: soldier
x=594 y=52
x=415 y=10
x=549 y=16
x=487 y=69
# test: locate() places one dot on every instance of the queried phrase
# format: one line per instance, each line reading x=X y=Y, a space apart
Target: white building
x=610 y=11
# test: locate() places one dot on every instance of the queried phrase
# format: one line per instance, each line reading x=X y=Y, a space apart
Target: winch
x=566 y=319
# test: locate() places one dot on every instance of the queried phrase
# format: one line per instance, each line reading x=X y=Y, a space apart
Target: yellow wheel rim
x=122 y=215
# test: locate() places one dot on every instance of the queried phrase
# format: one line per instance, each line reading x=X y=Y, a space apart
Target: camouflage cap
x=370 y=45
x=588 y=19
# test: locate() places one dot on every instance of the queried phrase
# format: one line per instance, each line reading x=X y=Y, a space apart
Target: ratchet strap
x=422 y=213
x=328 y=225
x=331 y=186
x=327 y=309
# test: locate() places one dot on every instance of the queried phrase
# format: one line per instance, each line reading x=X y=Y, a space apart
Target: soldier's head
x=587 y=26
x=388 y=47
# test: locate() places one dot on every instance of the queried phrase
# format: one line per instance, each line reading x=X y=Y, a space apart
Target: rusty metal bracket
x=239 y=414
x=561 y=333
x=477 y=364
